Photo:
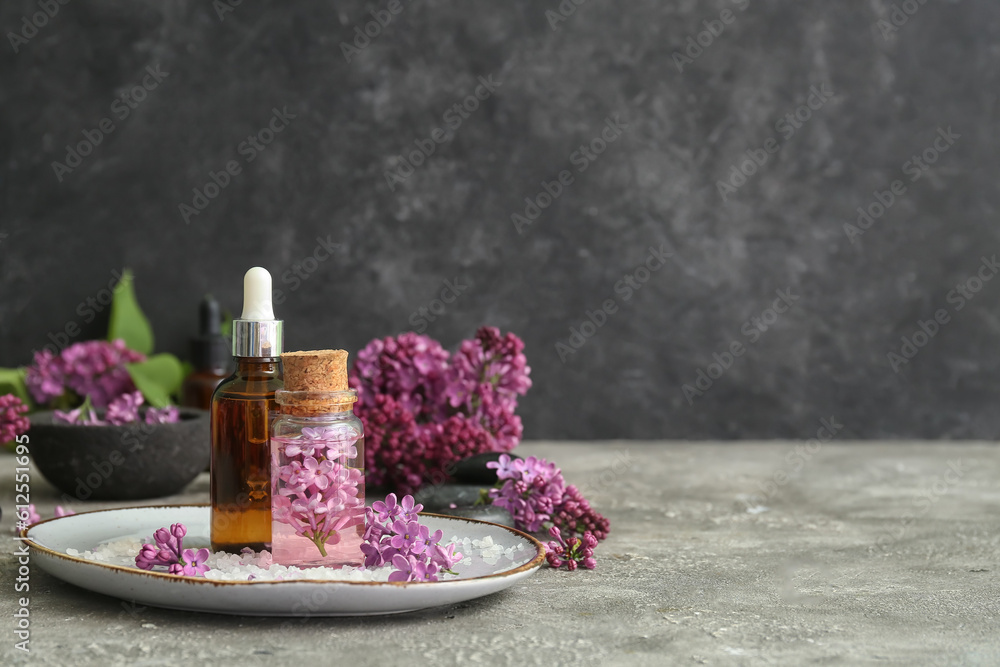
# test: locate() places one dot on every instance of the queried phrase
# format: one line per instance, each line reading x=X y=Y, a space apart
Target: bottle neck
x=258 y=366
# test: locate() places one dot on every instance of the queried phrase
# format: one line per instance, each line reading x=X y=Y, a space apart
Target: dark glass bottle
x=209 y=356
x=242 y=408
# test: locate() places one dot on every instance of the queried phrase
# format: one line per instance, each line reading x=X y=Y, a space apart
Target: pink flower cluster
x=316 y=490
x=424 y=409
x=122 y=410
x=529 y=489
x=536 y=495
x=573 y=552
x=394 y=535
x=169 y=551
x=12 y=420
x=92 y=368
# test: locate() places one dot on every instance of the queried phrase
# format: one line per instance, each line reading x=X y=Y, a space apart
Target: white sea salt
x=252 y=566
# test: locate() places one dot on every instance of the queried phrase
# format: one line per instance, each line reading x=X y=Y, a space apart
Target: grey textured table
x=719 y=554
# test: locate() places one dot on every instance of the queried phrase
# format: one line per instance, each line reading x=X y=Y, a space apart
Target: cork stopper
x=315 y=382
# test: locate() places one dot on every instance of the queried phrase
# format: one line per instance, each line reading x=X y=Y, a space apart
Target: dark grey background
x=324 y=176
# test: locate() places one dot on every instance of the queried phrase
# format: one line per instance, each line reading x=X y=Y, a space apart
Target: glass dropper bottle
x=242 y=409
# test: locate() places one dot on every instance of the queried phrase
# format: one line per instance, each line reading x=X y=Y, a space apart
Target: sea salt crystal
x=254 y=566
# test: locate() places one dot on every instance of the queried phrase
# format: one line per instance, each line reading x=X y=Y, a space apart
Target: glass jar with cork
x=317 y=464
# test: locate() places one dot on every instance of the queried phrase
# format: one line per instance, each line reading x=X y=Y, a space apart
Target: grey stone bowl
x=131 y=462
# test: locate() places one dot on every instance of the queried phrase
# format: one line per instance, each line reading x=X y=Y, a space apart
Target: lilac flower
x=427 y=540
x=169 y=551
x=83 y=415
x=572 y=552
x=167 y=415
x=316 y=491
x=423 y=409
x=388 y=510
x=406 y=536
x=62 y=511
x=91 y=368
x=410 y=367
x=508 y=468
x=444 y=556
x=409 y=546
x=12 y=420
x=530 y=491
x=193 y=564
x=409 y=509
x=124 y=409
x=408 y=568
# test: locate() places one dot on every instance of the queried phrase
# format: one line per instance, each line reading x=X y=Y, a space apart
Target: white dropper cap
x=257 y=333
x=257 y=295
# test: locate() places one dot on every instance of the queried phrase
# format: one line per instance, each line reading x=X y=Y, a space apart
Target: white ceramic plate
x=50 y=539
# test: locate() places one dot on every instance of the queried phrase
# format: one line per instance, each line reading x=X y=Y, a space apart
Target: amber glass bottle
x=242 y=408
x=209 y=356
x=241 y=461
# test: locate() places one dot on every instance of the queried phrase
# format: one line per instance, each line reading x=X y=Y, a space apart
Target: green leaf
x=12 y=382
x=127 y=320
x=157 y=378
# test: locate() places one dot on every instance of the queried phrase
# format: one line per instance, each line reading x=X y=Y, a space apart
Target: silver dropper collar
x=257 y=338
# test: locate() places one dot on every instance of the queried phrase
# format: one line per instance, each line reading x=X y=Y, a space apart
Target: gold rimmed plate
x=50 y=540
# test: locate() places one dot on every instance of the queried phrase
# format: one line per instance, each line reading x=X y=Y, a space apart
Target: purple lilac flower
x=167 y=415
x=409 y=367
x=193 y=564
x=91 y=368
x=573 y=552
x=12 y=420
x=169 y=551
x=575 y=515
x=83 y=415
x=424 y=409
x=485 y=377
x=414 y=552
x=46 y=377
x=316 y=491
x=124 y=409
x=530 y=492
x=408 y=568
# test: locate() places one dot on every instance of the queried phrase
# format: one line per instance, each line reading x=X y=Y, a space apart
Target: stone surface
x=756 y=554
x=353 y=259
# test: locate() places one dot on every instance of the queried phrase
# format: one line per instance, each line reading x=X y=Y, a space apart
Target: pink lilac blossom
x=123 y=410
x=573 y=552
x=169 y=551
x=83 y=415
x=529 y=490
x=63 y=511
x=535 y=493
x=91 y=368
x=167 y=415
x=316 y=491
x=394 y=535
x=575 y=515
x=12 y=420
x=424 y=409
